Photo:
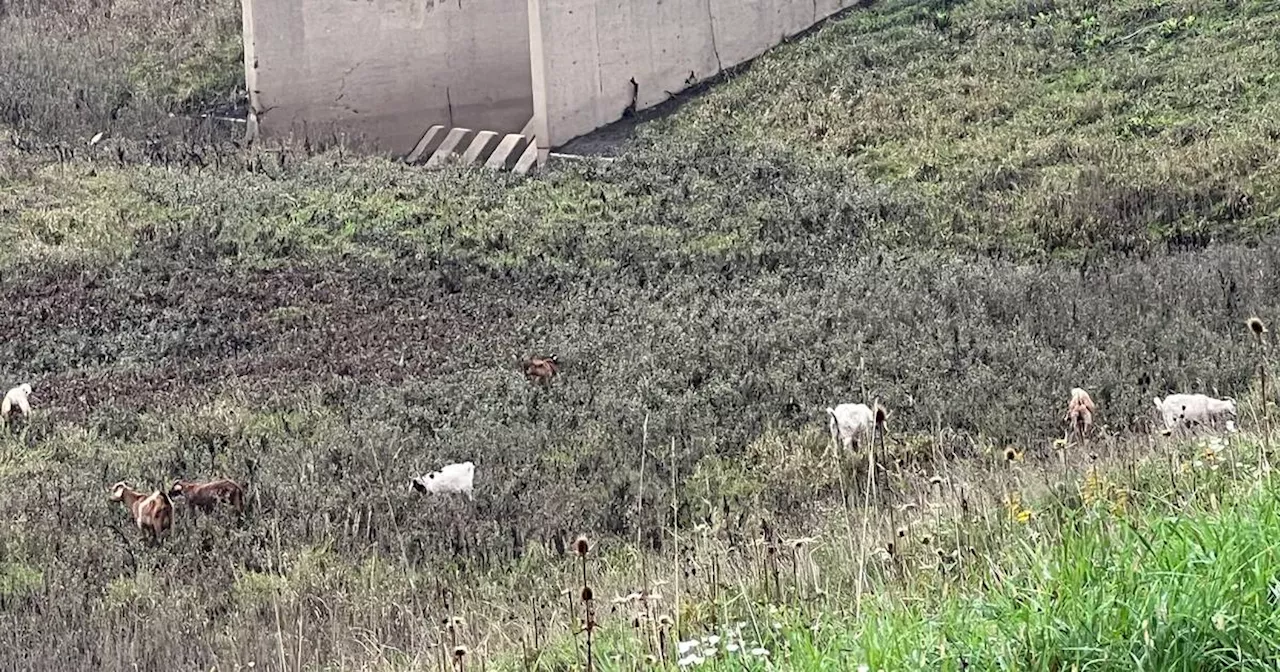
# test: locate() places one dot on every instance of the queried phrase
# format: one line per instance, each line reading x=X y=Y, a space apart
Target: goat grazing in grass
x=850 y=423
x=153 y=514
x=1188 y=411
x=452 y=478
x=205 y=496
x=16 y=398
x=541 y=371
x=1080 y=413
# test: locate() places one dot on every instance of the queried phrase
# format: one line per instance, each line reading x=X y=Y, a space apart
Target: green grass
x=74 y=68
x=1193 y=590
x=1138 y=568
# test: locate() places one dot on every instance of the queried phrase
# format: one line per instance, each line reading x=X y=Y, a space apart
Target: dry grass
x=927 y=202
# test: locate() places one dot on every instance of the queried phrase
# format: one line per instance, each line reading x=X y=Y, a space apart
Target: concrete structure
x=594 y=59
x=413 y=76
x=382 y=71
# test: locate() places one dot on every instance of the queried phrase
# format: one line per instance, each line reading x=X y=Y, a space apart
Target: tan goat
x=153 y=514
x=541 y=371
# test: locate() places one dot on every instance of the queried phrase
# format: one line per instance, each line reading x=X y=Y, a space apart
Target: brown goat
x=205 y=496
x=541 y=371
x=152 y=513
x=1080 y=412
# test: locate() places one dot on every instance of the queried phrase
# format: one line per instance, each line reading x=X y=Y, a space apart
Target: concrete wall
x=592 y=59
x=383 y=71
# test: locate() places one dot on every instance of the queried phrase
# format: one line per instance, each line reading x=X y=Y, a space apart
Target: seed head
x=1258 y=328
x=459 y=651
x=587 y=594
x=1010 y=454
x=936 y=480
x=664 y=621
x=926 y=539
x=902 y=532
x=581 y=545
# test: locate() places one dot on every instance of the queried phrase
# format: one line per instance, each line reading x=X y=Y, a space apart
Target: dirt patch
x=156 y=336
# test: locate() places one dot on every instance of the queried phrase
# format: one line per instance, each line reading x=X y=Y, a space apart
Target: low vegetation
x=963 y=209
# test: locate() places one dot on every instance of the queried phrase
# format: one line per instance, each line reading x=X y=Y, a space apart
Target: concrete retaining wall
x=384 y=71
x=594 y=59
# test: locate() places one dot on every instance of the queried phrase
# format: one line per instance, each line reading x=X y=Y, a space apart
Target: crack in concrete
x=448 y=101
x=595 y=36
x=342 y=83
x=711 y=17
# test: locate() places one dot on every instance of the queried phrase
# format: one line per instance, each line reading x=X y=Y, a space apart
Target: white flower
x=732 y=648
x=1231 y=426
x=864 y=668
x=692 y=659
x=758 y=651
x=712 y=639
x=709 y=653
x=686 y=647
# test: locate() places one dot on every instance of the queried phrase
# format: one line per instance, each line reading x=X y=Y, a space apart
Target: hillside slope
x=931 y=203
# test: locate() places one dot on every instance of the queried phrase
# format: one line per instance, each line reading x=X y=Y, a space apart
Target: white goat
x=1185 y=411
x=452 y=478
x=16 y=397
x=1080 y=413
x=850 y=423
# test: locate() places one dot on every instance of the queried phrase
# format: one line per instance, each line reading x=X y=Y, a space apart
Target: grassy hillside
x=73 y=68
x=964 y=209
